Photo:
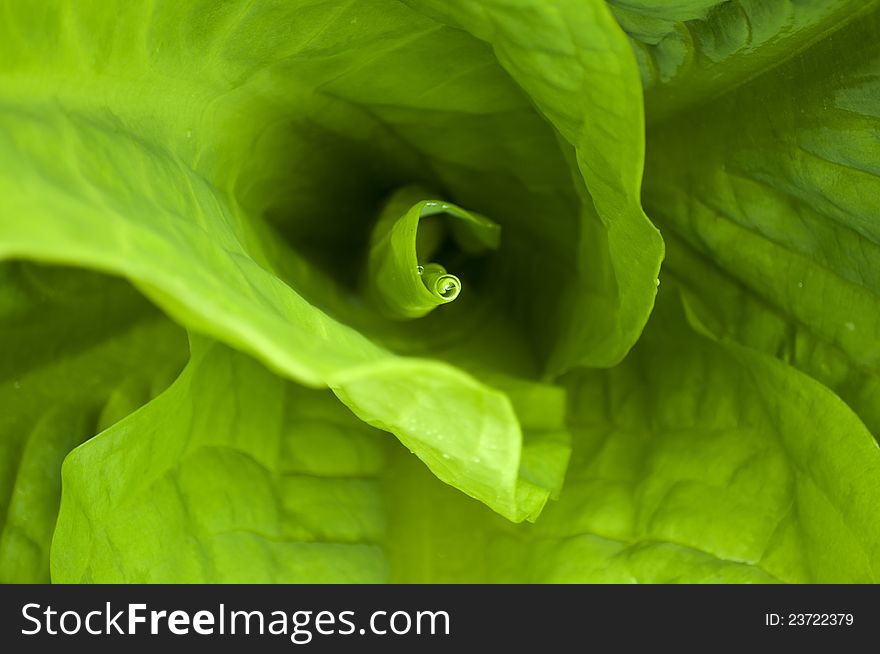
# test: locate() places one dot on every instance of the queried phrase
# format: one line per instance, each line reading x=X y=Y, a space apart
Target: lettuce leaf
x=203 y=218
x=243 y=476
x=774 y=232
x=694 y=462
x=63 y=378
x=247 y=477
x=690 y=51
x=240 y=243
x=591 y=97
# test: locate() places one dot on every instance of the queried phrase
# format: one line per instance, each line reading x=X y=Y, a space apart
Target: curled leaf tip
x=396 y=284
x=443 y=285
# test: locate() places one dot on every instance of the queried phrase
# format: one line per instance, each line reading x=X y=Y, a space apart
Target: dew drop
x=445 y=455
x=800 y=284
x=420 y=269
x=448 y=288
x=476 y=459
x=16 y=384
x=851 y=326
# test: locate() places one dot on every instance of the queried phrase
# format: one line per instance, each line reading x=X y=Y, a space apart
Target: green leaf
x=694 y=462
x=692 y=50
x=237 y=475
x=712 y=463
x=272 y=175
x=468 y=435
x=233 y=475
x=78 y=352
x=231 y=169
x=769 y=198
x=579 y=70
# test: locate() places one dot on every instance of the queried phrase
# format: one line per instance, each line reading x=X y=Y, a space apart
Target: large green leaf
x=230 y=161
x=693 y=462
x=272 y=174
x=769 y=198
x=692 y=50
x=233 y=475
x=78 y=352
x=578 y=68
